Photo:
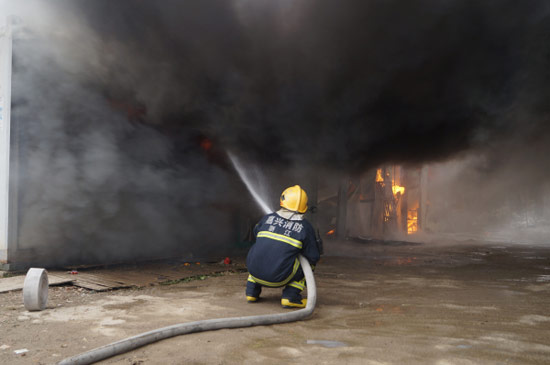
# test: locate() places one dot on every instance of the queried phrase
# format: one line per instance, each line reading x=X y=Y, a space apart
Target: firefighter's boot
x=293 y=303
x=253 y=290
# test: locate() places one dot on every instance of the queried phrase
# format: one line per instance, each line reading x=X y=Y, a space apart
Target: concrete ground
x=467 y=303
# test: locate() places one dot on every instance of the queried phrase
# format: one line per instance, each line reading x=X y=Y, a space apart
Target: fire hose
x=146 y=338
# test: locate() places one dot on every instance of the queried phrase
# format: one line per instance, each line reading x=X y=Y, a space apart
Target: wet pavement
x=466 y=303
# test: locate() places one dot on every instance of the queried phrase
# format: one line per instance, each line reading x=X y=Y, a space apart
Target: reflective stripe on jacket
x=272 y=259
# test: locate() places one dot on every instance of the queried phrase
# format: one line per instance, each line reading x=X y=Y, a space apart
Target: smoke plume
x=350 y=84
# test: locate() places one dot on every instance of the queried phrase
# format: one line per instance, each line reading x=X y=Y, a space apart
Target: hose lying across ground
x=146 y=338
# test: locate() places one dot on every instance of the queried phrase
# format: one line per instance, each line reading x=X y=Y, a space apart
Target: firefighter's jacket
x=273 y=259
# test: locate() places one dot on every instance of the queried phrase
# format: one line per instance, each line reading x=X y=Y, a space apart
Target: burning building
x=433 y=202
x=122 y=114
x=383 y=203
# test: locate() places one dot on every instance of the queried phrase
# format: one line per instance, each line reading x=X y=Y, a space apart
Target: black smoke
x=348 y=84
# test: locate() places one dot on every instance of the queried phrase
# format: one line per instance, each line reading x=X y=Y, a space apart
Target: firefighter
x=273 y=259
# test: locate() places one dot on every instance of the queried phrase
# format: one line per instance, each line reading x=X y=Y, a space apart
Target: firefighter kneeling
x=280 y=238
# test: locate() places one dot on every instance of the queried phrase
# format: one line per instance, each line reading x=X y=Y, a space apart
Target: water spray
x=246 y=179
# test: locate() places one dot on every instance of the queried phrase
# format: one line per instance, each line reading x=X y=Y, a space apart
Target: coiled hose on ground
x=146 y=338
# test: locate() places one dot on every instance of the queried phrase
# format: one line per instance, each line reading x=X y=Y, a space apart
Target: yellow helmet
x=294 y=198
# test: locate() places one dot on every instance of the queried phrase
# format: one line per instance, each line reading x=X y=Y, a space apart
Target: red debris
x=73 y=272
x=227 y=261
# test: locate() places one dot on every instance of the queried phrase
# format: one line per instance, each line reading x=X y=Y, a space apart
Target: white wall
x=5 y=103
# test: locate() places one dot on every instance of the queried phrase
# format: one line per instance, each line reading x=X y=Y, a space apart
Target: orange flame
x=206 y=144
x=412 y=221
x=331 y=232
x=398 y=189
x=379 y=177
